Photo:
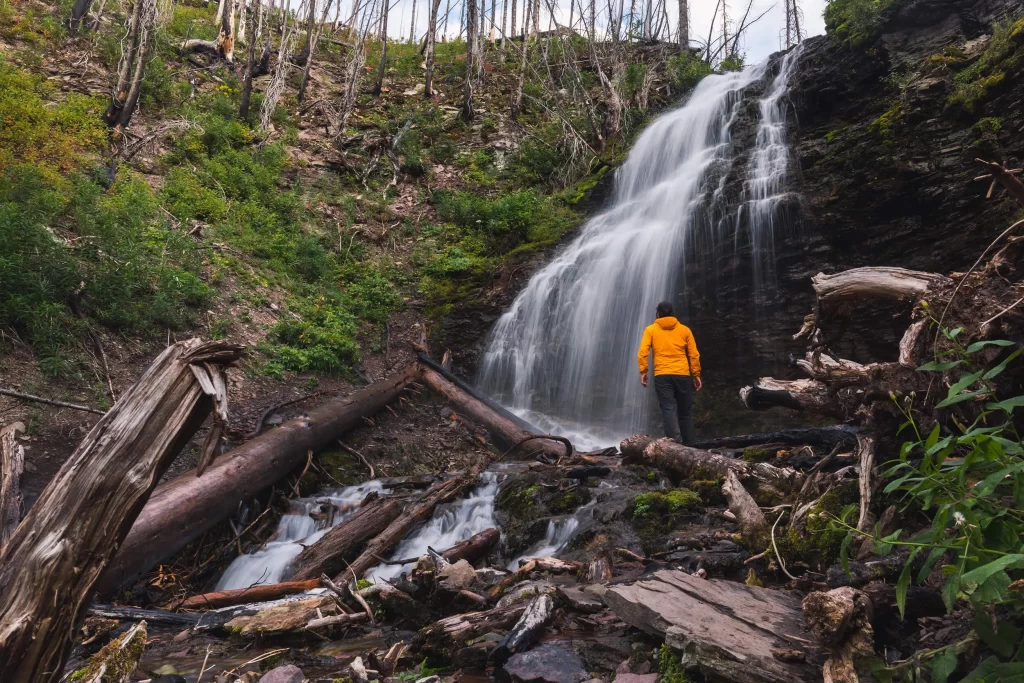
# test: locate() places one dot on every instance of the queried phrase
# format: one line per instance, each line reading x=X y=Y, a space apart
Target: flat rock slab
x=637 y=678
x=283 y=674
x=578 y=600
x=545 y=664
x=725 y=629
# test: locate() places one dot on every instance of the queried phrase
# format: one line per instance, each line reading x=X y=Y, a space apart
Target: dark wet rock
x=173 y=678
x=548 y=663
x=578 y=600
x=289 y=673
x=602 y=653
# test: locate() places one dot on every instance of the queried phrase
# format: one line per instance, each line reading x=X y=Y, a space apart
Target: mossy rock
x=818 y=544
x=656 y=513
x=755 y=454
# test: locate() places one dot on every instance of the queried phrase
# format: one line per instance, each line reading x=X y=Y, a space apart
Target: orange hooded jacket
x=675 y=351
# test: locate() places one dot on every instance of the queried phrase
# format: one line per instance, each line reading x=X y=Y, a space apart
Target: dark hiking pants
x=675 y=396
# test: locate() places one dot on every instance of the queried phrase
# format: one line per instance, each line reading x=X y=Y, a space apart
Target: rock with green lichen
x=656 y=513
x=116 y=661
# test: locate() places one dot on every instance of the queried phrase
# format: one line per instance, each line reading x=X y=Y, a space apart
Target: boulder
x=721 y=628
x=545 y=664
x=456 y=577
x=576 y=599
x=289 y=673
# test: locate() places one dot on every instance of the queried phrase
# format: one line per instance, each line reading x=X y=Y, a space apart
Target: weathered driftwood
x=753 y=525
x=186 y=507
x=337 y=620
x=825 y=437
x=12 y=465
x=455 y=631
x=240 y=596
x=841 y=621
x=600 y=568
x=415 y=513
x=505 y=432
x=339 y=545
x=528 y=565
x=51 y=563
x=807 y=395
x=526 y=631
x=727 y=630
x=861 y=573
x=117 y=660
x=284 y=618
x=682 y=462
x=873 y=282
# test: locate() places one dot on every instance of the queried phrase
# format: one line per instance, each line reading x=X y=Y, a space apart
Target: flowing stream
x=564 y=355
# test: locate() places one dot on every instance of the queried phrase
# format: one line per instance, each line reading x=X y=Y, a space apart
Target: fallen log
x=600 y=568
x=528 y=565
x=474 y=548
x=12 y=465
x=682 y=462
x=506 y=430
x=152 y=616
x=525 y=632
x=414 y=513
x=51 y=563
x=807 y=395
x=453 y=632
x=240 y=596
x=117 y=660
x=285 y=618
x=753 y=525
x=337 y=620
x=873 y=282
x=825 y=437
x=186 y=507
x=330 y=554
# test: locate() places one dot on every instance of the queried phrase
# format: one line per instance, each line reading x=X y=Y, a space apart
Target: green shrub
x=685 y=71
x=856 y=22
x=1002 y=57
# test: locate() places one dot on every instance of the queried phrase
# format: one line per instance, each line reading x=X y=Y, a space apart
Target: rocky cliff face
x=884 y=138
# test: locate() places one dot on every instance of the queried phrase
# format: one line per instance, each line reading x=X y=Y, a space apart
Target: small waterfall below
x=450 y=524
x=557 y=536
x=296 y=529
x=564 y=355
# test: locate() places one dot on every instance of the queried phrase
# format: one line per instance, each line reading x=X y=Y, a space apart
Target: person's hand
x=697 y=384
x=643 y=379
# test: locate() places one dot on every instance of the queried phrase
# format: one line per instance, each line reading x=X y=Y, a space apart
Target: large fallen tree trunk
x=52 y=561
x=505 y=430
x=331 y=553
x=807 y=395
x=415 y=513
x=681 y=462
x=825 y=437
x=473 y=548
x=183 y=509
x=453 y=632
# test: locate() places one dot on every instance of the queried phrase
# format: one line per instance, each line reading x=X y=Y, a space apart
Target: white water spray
x=564 y=355
x=269 y=563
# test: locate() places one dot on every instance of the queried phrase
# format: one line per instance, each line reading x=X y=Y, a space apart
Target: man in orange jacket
x=676 y=371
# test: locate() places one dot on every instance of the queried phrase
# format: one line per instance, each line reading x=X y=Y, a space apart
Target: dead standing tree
x=467 y=87
x=48 y=568
x=134 y=54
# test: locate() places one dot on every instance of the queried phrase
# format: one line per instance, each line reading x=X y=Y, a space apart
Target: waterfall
x=564 y=355
x=297 y=529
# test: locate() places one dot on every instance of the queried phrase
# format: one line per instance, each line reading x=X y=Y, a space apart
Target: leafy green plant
x=969 y=480
x=685 y=71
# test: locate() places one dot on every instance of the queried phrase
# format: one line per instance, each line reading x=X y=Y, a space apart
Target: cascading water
x=557 y=536
x=450 y=524
x=564 y=355
x=268 y=564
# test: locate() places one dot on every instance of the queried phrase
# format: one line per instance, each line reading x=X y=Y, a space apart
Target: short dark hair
x=664 y=309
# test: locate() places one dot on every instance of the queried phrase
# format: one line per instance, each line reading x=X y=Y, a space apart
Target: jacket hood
x=667 y=323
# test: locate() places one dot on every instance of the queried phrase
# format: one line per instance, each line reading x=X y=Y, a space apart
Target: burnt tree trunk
x=330 y=554
x=250 y=69
x=378 y=87
x=471 y=38
x=187 y=507
x=49 y=567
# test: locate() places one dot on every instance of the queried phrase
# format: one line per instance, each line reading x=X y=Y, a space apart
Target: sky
x=759 y=41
